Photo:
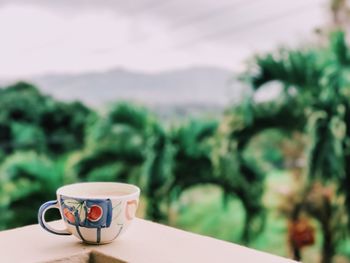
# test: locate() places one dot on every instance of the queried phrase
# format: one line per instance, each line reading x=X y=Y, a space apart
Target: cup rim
x=136 y=190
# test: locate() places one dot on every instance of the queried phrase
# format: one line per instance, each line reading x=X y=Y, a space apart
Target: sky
x=74 y=36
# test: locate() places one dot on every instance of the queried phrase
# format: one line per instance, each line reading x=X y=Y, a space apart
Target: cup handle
x=41 y=218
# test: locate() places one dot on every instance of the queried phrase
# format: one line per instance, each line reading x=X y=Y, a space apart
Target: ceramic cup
x=96 y=213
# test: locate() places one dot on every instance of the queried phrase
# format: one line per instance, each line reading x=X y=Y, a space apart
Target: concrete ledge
x=143 y=242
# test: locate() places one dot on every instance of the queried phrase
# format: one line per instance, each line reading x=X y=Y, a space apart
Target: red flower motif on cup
x=69 y=215
x=95 y=213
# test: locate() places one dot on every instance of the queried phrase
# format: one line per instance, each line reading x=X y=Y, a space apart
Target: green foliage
x=286 y=115
x=35 y=134
x=69 y=142
x=45 y=143
x=31 y=120
x=116 y=144
x=266 y=150
x=64 y=125
x=326 y=151
x=294 y=68
x=26 y=181
x=323 y=109
x=340 y=49
x=192 y=153
x=317 y=79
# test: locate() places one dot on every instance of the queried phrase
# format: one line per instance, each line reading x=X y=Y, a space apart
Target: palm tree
x=315 y=88
x=239 y=127
x=116 y=145
x=30 y=120
x=202 y=155
x=157 y=174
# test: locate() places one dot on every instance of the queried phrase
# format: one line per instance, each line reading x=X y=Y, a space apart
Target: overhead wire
x=205 y=16
x=226 y=33
x=202 y=18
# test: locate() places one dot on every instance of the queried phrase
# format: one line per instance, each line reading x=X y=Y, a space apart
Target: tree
x=317 y=79
x=116 y=145
x=26 y=181
x=240 y=126
x=30 y=120
x=64 y=126
x=21 y=106
x=203 y=155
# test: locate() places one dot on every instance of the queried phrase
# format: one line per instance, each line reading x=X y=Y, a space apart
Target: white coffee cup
x=96 y=213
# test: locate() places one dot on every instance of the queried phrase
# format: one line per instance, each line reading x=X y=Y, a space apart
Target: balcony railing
x=143 y=242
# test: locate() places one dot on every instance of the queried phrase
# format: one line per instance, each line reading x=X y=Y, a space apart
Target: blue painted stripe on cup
x=109 y=212
x=79 y=233
x=76 y=215
x=98 y=235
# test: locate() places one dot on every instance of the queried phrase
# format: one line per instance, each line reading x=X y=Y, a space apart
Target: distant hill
x=195 y=89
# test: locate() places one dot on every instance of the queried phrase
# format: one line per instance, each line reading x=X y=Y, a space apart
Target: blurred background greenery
x=271 y=175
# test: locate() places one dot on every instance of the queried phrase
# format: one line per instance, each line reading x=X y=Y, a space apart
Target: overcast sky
x=71 y=36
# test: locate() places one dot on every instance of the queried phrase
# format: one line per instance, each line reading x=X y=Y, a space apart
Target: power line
x=149 y=6
x=212 y=14
x=256 y=22
x=199 y=18
x=203 y=17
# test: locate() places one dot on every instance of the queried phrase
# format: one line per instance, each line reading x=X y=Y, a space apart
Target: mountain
x=195 y=89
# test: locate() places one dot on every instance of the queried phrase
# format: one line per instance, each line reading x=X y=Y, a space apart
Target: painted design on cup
x=130 y=210
x=69 y=216
x=90 y=213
